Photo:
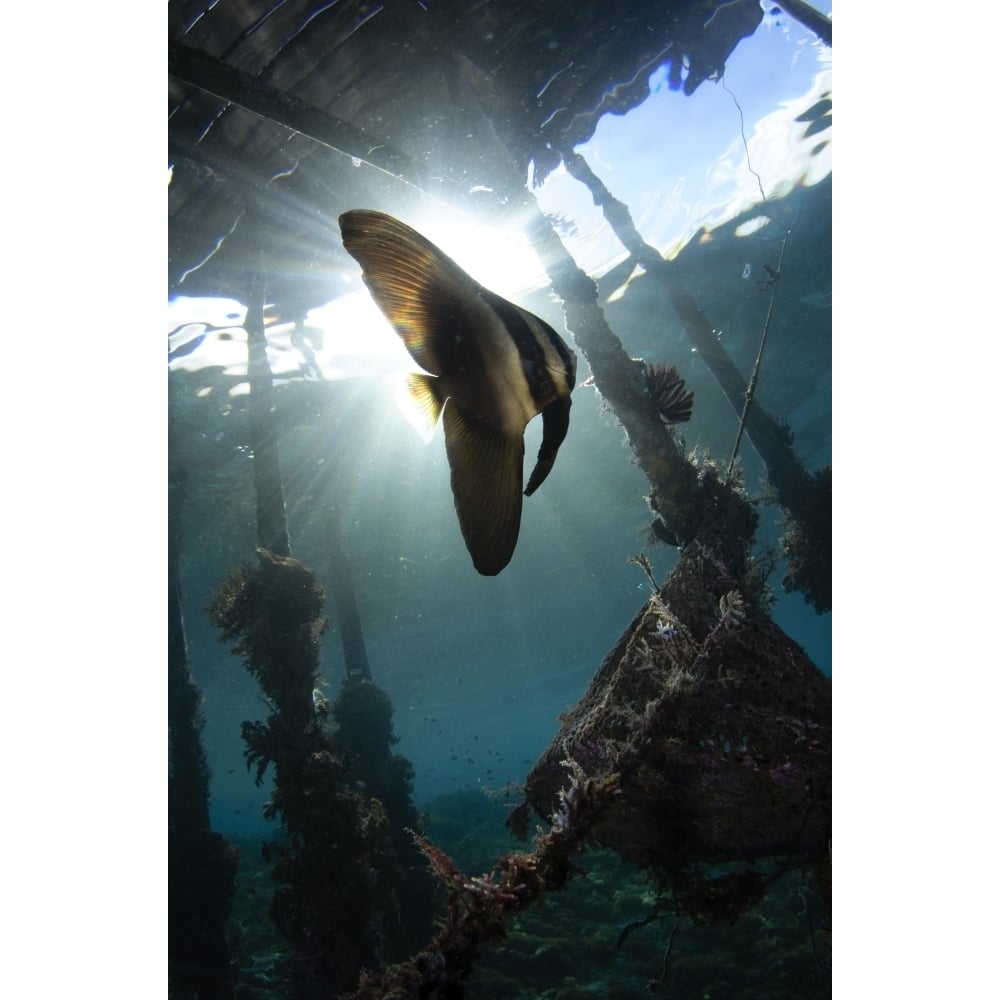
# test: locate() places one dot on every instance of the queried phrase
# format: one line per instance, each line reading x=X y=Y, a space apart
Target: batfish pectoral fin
x=555 y=424
x=422 y=403
x=486 y=477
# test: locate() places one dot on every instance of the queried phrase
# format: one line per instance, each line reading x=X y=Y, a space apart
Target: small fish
x=491 y=367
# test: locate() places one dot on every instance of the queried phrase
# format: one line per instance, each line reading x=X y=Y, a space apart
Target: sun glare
x=356 y=338
x=501 y=259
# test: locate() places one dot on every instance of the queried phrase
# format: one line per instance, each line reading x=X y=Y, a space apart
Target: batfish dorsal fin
x=417 y=286
x=486 y=476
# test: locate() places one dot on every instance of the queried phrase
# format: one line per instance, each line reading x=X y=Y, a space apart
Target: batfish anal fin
x=486 y=477
x=555 y=424
x=420 y=290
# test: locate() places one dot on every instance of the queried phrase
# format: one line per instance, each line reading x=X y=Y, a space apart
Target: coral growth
x=335 y=866
x=364 y=735
x=806 y=543
x=480 y=907
x=605 y=934
x=272 y=615
x=717 y=725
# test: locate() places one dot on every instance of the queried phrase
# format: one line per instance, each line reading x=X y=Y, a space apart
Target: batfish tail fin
x=486 y=477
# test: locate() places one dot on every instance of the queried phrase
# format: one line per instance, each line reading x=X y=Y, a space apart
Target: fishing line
x=752 y=384
x=743 y=134
x=772 y=281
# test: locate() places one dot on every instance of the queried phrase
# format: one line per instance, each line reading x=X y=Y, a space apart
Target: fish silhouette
x=490 y=367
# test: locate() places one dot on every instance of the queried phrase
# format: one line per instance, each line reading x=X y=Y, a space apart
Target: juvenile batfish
x=492 y=367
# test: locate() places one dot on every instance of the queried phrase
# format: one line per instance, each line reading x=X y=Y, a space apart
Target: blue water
x=479 y=669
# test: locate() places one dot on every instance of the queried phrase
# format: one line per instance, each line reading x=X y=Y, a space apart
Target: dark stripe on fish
x=536 y=372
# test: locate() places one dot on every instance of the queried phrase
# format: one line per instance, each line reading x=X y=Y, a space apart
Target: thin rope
x=752 y=385
x=760 y=183
x=772 y=281
x=654 y=983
